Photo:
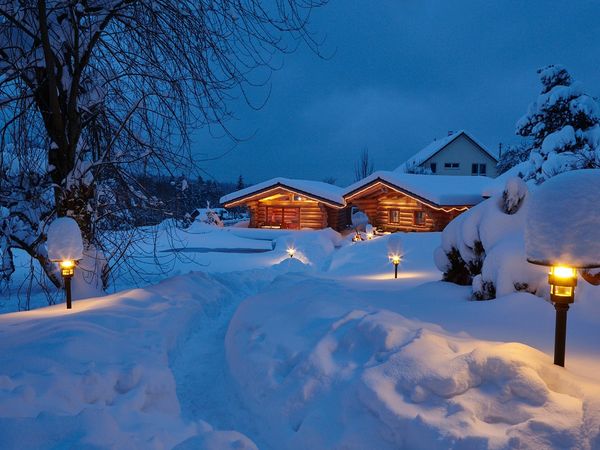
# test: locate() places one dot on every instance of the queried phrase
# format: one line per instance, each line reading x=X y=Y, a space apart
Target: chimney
x=450 y=132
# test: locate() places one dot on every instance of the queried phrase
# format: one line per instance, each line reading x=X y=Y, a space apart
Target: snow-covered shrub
x=513 y=195
x=485 y=246
x=562 y=126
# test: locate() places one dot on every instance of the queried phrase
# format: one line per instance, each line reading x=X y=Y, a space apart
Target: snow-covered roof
x=439 y=190
x=317 y=190
x=438 y=145
x=563 y=220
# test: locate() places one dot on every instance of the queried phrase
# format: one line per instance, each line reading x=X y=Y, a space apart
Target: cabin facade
x=458 y=154
x=292 y=204
x=407 y=202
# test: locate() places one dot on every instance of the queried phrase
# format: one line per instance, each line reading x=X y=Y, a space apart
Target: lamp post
x=67 y=270
x=395 y=259
x=562 y=280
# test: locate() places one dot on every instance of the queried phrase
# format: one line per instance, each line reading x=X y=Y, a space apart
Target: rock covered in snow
x=64 y=240
x=563 y=221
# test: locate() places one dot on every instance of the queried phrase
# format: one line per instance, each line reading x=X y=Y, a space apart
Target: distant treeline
x=178 y=196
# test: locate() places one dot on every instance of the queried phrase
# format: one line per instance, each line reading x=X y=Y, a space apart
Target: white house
x=458 y=153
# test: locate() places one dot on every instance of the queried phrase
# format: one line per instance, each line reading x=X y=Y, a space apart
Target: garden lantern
x=65 y=246
x=67 y=270
x=562 y=280
x=369 y=236
x=565 y=242
x=395 y=259
x=291 y=251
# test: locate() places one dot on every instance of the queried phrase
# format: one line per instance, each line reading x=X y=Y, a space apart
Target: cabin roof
x=437 y=146
x=437 y=190
x=318 y=190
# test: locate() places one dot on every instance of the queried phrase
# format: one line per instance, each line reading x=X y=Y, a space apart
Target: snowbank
x=98 y=376
x=330 y=372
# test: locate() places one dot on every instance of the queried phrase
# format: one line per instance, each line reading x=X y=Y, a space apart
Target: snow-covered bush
x=485 y=246
x=562 y=125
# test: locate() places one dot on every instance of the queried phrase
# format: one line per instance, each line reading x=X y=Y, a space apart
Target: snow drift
x=324 y=372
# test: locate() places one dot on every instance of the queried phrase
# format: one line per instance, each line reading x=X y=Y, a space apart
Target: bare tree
x=93 y=92
x=364 y=166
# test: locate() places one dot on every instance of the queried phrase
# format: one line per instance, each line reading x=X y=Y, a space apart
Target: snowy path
x=204 y=385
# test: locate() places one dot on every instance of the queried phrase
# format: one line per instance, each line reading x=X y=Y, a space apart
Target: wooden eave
x=353 y=194
x=262 y=193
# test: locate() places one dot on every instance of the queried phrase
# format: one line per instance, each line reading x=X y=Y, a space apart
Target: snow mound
x=562 y=223
x=322 y=373
x=100 y=375
x=64 y=240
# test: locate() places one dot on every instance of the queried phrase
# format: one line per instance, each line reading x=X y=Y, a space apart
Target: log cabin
x=292 y=204
x=396 y=201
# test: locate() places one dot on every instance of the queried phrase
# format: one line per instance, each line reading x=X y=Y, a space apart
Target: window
x=453 y=165
x=394 y=216
x=433 y=167
x=419 y=218
x=478 y=169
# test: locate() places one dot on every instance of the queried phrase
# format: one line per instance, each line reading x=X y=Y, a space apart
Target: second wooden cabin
x=395 y=201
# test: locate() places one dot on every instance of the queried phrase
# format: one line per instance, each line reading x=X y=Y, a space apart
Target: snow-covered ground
x=326 y=350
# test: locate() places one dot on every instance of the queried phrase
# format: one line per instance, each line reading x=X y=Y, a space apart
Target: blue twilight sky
x=402 y=73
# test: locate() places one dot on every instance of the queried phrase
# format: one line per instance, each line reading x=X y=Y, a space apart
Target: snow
x=436 y=146
x=244 y=349
x=562 y=222
x=317 y=189
x=441 y=190
x=350 y=371
x=64 y=240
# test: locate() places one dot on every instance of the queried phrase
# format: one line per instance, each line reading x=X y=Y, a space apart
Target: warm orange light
x=395 y=259
x=67 y=267
x=562 y=280
x=369 y=236
x=563 y=272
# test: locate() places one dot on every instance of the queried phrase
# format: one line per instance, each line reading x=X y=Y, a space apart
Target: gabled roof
x=316 y=190
x=435 y=190
x=437 y=146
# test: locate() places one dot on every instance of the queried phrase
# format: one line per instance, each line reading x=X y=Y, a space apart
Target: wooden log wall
x=338 y=218
x=312 y=214
x=378 y=207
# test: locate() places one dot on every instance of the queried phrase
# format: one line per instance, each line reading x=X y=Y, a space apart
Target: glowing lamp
x=291 y=251
x=357 y=238
x=562 y=280
x=395 y=259
x=67 y=268
x=369 y=236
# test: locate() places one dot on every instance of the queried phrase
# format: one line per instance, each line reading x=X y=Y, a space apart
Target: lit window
x=419 y=218
x=394 y=216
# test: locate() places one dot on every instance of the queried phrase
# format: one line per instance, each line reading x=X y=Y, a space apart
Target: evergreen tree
x=513 y=155
x=240 y=183
x=562 y=126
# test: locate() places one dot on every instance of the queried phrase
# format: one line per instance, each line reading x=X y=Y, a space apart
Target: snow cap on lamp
x=563 y=221
x=64 y=240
